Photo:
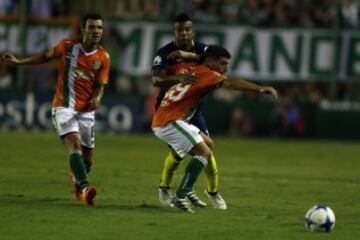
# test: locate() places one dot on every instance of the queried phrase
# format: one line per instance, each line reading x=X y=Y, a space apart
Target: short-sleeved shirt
x=162 y=62
x=79 y=73
x=180 y=101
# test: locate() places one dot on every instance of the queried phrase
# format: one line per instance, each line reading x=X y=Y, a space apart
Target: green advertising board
x=257 y=54
x=40 y=35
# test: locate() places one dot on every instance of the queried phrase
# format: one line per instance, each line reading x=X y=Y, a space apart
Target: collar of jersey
x=88 y=53
x=192 y=44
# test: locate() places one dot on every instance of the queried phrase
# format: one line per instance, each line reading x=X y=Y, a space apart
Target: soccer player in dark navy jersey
x=166 y=59
x=183 y=48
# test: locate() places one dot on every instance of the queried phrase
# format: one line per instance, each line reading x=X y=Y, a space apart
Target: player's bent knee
x=209 y=142
x=72 y=140
x=203 y=150
x=207 y=154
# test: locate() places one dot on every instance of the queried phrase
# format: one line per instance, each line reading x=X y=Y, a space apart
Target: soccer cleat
x=165 y=196
x=88 y=194
x=181 y=204
x=217 y=200
x=195 y=200
x=75 y=186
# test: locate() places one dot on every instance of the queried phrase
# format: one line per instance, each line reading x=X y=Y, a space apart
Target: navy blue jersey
x=162 y=62
x=198 y=120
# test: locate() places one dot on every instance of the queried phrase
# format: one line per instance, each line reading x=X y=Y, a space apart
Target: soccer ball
x=320 y=218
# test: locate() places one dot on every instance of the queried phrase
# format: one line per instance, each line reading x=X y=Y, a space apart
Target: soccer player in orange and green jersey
x=79 y=73
x=181 y=100
x=171 y=119
x=83 y=72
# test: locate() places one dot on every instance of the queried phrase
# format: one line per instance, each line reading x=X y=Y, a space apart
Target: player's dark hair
x=92 y=16
x=216 y=51
x=182 y=17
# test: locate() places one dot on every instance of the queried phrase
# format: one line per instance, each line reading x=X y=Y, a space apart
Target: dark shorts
x=199 y=121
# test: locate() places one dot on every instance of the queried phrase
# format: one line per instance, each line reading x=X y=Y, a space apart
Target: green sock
x=78 y=168
x=192 y=171
x=87 y=169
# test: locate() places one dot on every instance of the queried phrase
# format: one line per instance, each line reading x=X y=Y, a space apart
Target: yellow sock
x=212 y=176
x=169 y=168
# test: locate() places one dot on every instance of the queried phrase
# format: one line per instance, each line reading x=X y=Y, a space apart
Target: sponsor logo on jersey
x=96 y=65
x=157 y=60
x=84 y=74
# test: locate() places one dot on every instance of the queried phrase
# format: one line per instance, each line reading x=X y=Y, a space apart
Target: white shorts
x=180 y=135
x=67 y=120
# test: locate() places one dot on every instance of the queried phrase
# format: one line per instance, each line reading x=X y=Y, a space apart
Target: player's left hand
x=9 y=58
x=94 y=104
x=269 y=90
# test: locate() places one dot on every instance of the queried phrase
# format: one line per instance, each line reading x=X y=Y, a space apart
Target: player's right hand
x=187 y=78
x=269 y=90
x=9 y=58
x=93 y=104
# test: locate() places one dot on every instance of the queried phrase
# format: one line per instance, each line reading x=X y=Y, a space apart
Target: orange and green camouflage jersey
x=180 y=101
x=80 y=73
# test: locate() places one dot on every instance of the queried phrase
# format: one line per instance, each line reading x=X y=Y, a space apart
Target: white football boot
x=217 y=200
x=182 y=204
x=195 y=200
x=165 y=196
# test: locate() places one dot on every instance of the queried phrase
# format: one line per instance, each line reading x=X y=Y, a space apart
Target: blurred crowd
x=286 y=119
x=261 y=13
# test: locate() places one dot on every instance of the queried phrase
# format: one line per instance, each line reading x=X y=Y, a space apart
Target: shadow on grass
x=44 y=202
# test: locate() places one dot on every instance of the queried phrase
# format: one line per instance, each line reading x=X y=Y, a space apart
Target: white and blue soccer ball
x=320 y=218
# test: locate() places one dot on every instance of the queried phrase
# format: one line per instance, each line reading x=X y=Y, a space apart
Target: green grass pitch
x=268 y=185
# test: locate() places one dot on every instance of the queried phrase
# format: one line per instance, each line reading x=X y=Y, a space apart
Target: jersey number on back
x=174 y=94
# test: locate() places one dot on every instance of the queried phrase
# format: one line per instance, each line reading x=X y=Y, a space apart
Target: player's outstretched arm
x=32 y=60
x=239 y=84
x=161 y=79
x=191 y=56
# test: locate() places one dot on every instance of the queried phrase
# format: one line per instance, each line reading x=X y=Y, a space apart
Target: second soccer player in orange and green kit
x=83 y=72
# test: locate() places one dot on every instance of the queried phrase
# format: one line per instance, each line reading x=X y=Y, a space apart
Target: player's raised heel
x=88 y=195
x=195 y=200
x=182 y=204
x=217 y=200
x=76 y=189
x=165 y=196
